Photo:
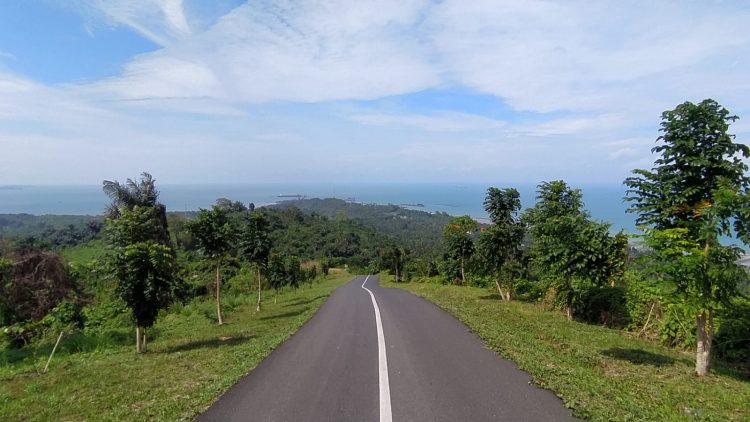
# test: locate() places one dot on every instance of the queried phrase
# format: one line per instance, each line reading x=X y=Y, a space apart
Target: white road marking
x=385 y=389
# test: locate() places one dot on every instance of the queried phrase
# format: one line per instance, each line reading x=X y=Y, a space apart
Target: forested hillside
x=416 y=230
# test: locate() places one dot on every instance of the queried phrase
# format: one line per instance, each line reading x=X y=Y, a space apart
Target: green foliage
x=212 y=232
x=418 y=231
x=572 y=251
x=293 y=271
x=50 y=230
x=697 y=158
x=255 y=241
x=499 y=246
x=604 y=305
x=733 y=336
x=145 y=274
x=459 y=245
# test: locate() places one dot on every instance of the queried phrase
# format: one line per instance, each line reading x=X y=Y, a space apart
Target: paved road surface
x=427 y=366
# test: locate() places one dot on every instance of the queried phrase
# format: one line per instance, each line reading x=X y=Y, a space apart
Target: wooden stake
x=46 y=367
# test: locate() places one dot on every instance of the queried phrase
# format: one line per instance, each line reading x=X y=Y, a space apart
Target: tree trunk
x=510 y=288
x=463 y=275
x=218 y=295
x=143 y=343
x=704 y=336
x=138 y=339
x=258 y=308
x=275 y=295
x=569 y=299
x=398 y=278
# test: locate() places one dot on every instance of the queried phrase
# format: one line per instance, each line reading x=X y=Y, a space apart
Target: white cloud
x=253 y=94
x=546 y=56
x=162 y=21
x=285 y=51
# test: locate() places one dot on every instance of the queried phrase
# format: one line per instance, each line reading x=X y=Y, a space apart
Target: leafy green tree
x=569 y=248
x=293 y=270
x=499 y=246
x=214 y=236
x=276 y=274
x=457 y=236
x=143 y=260
x=697 y=191
x=255 y=245
x=144 y=268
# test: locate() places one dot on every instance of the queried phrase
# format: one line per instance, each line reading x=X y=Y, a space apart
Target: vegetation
x=213 y=235
x=499 y=246
x=190 y=361
x=697 y=191
x=142 y=258
x=628 y=307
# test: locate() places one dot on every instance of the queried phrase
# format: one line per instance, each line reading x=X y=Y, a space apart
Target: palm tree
x=133 y=194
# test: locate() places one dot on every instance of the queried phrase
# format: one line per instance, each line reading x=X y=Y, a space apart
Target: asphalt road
x=427 y=366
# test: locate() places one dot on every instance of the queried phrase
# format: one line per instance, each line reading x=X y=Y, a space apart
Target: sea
x=604 y=202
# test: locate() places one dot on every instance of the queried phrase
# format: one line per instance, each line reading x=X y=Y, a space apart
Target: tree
x=457 y=236
x=214 y=235
x=293 y=270
x=142 y=193
x=276 y=274
x=499 y=247
x=255 y=244
x=143 y=267
x=697 y=191
x=142 y=257
x=571 y=249
x=394 y=259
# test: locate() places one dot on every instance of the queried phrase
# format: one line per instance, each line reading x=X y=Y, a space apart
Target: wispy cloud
x=582 y=86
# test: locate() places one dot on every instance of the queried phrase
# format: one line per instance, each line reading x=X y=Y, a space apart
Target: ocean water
x=604 y=202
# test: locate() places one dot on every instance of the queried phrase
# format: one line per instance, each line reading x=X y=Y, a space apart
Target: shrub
x=732 y=340
x=604 y=305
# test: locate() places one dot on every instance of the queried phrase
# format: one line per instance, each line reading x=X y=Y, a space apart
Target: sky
x=230 y=91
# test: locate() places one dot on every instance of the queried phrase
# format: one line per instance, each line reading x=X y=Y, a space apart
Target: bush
x=733 y=336
x=604 y=305
x=105 y=316
x=677 y=326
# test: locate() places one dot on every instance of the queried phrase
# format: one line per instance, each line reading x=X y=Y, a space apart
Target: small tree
x=214 y=235
x=499 y=247
x=143 y=267
x=457 y=236
x=276 y=274
x=255 y=245
x=567 y=246
x=143 y=260
x=696 y=192
x=293 y=270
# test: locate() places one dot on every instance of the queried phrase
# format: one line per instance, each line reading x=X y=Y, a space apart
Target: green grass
x=85 y=252
x=190 y=362
x=602 y=374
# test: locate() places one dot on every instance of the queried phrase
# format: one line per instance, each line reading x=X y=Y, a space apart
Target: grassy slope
x=190 y=362
x=602 y=374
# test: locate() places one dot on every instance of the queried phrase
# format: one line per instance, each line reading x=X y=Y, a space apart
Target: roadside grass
x=600 y=373
x=190 y=361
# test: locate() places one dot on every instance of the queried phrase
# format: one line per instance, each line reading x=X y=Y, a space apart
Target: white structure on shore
x=745 y=261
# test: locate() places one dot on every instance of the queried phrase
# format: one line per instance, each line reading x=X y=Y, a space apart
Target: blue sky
x=388 y=91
